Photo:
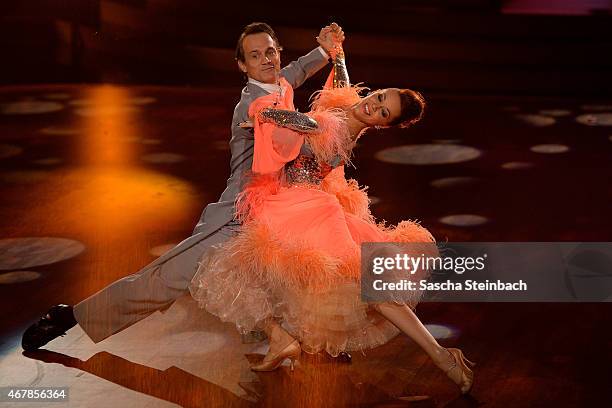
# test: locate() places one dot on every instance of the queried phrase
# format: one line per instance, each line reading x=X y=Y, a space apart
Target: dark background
x=520 y=47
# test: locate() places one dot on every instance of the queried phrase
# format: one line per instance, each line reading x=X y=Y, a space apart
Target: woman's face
x=379 y=108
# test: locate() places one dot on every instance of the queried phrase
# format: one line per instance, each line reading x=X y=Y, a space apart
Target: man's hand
x=331 y=38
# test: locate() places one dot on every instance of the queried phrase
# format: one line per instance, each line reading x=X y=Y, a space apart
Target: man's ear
x=242 y=66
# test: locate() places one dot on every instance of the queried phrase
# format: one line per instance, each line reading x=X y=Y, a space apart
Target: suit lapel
x=255 y=91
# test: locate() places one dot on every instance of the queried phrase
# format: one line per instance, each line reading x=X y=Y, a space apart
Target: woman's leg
x=278 y=337
x=282 y=346
x=405 y=320
x=451 y=362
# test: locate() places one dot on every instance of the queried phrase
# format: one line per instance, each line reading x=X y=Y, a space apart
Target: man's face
x=261 y=58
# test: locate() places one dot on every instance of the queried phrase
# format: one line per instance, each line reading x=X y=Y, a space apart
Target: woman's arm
x=290 y=119
x=341 y=76
x=331 y=39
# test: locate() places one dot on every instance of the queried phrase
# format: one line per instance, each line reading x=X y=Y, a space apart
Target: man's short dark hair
x=254 y=28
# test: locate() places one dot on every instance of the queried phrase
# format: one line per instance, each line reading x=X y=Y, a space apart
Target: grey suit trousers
x=155 y=287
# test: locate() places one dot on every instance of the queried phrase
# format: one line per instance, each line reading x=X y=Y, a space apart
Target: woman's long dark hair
x=412 y=108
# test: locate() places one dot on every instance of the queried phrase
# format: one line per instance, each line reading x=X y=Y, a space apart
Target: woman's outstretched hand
x=337 y=34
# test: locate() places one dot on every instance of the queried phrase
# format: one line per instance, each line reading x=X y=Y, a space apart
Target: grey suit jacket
x=217 y=214
x=221 y=213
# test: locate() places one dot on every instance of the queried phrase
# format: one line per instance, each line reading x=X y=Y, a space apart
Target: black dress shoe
x=344 y=357
x=55 y=323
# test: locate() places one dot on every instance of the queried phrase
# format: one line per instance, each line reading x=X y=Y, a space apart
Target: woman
x=296 y=260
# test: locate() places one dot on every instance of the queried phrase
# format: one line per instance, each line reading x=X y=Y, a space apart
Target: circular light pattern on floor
x=447 y=141
x=57 y=96
x=596 y=108
x=25 y=176
x=555 y=112
x=516 y=165
x=426 y=154
x=21 y=253
x=550 y=148
x=449 y=182
x=30 y=107
x=536 y=120
x=106 y=110
x=150 y=141
x=51 y=161
x=440 y=332
x=163 y=158
x=464 y=220
x=9 y=151
x=161 y=249
x=142 y=100
x=595 y=119
x=59 y=131
x=18 y=277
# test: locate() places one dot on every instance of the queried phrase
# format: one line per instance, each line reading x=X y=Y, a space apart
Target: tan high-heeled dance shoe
x=271 y=362
x=460 y=362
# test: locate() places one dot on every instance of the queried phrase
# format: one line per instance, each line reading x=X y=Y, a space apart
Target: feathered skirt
x=298 y=261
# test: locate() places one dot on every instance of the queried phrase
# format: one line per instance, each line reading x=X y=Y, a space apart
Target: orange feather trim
x=333 y=139
x=336 y=97
x=353 y=199
x=250 y=200
x=257 y=253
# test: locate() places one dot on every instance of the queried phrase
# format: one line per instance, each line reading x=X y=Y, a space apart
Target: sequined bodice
x=306 y=170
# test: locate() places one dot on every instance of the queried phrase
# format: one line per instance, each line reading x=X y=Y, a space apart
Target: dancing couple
x=280 y=250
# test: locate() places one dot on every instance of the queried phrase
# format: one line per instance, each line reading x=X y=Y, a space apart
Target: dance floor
x=98 y=180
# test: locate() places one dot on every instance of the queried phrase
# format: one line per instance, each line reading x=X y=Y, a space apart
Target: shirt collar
x=269 y=88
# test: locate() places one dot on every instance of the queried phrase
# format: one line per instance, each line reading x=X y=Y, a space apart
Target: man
x=159 y=284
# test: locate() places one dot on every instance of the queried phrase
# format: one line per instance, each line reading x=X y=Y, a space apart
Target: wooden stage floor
x=98 y=180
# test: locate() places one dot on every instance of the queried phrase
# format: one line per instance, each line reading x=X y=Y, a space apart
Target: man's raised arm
x=306 y=66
